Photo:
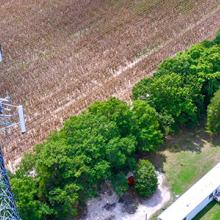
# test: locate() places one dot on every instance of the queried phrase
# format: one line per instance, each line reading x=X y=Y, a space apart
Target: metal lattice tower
x=8 y=209
x=10 y=116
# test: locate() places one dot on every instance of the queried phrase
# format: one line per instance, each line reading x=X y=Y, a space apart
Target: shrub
x=146 y=179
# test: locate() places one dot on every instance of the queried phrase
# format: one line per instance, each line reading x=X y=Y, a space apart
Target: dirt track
x=62 y=55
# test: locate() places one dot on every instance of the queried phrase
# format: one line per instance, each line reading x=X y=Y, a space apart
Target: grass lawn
x=187 y=157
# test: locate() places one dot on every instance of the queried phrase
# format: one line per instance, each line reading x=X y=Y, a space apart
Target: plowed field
x=62 y=55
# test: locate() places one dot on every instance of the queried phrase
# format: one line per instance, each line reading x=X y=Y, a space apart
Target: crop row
x=63 y=57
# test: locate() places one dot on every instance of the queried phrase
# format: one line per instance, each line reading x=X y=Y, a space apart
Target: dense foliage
x=172 y=97
x=146 y=178
x=182 y=87
x=98 y=145
x=146 y=126
x=213 y=115
x=26 y=192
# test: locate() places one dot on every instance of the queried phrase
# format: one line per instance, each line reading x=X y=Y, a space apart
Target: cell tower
x=10 y=116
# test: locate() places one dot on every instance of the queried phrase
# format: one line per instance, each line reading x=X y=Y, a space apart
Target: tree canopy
x=99 y=144
x=172 y=96
x=183 y=85
x=146 y=126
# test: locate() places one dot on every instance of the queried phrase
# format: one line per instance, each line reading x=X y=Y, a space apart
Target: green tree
x=146 y=126
x=174 y=98
x=213 y=115
x=26 y=194
x=55 y=172
x=72 y=163
x=64 y=201
x=119 y=150
x=115 y=110
x=99 y=138
x=202 y=61
x=146 y=179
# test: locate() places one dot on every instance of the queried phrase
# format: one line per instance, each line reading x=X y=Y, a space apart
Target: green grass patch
x=189 y=159
x=189 y=156
x=187 y=167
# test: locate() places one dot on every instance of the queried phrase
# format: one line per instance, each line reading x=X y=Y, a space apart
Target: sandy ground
x=145 y=209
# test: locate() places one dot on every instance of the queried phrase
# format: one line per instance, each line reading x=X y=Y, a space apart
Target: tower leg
x=8 y=209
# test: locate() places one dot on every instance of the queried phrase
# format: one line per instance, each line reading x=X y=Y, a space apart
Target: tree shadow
x=154 y=200
x=187 y=140
x=157 y=159
x=215 y=141
x=193 y=140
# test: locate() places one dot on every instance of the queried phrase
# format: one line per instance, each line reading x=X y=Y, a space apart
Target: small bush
x=146 y=179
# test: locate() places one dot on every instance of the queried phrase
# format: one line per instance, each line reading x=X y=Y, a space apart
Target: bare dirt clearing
x=62 y=55
x=145 y=209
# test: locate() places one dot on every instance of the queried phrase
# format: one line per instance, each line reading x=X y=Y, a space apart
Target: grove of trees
x=99 y=144
x=183 y=85
x=102 y=143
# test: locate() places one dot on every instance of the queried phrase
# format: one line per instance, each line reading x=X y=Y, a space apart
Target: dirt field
x=62 y=55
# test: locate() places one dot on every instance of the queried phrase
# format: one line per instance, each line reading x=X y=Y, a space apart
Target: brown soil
x=62 y=55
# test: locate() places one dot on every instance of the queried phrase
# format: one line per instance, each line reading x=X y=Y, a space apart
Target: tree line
x=102 y=143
